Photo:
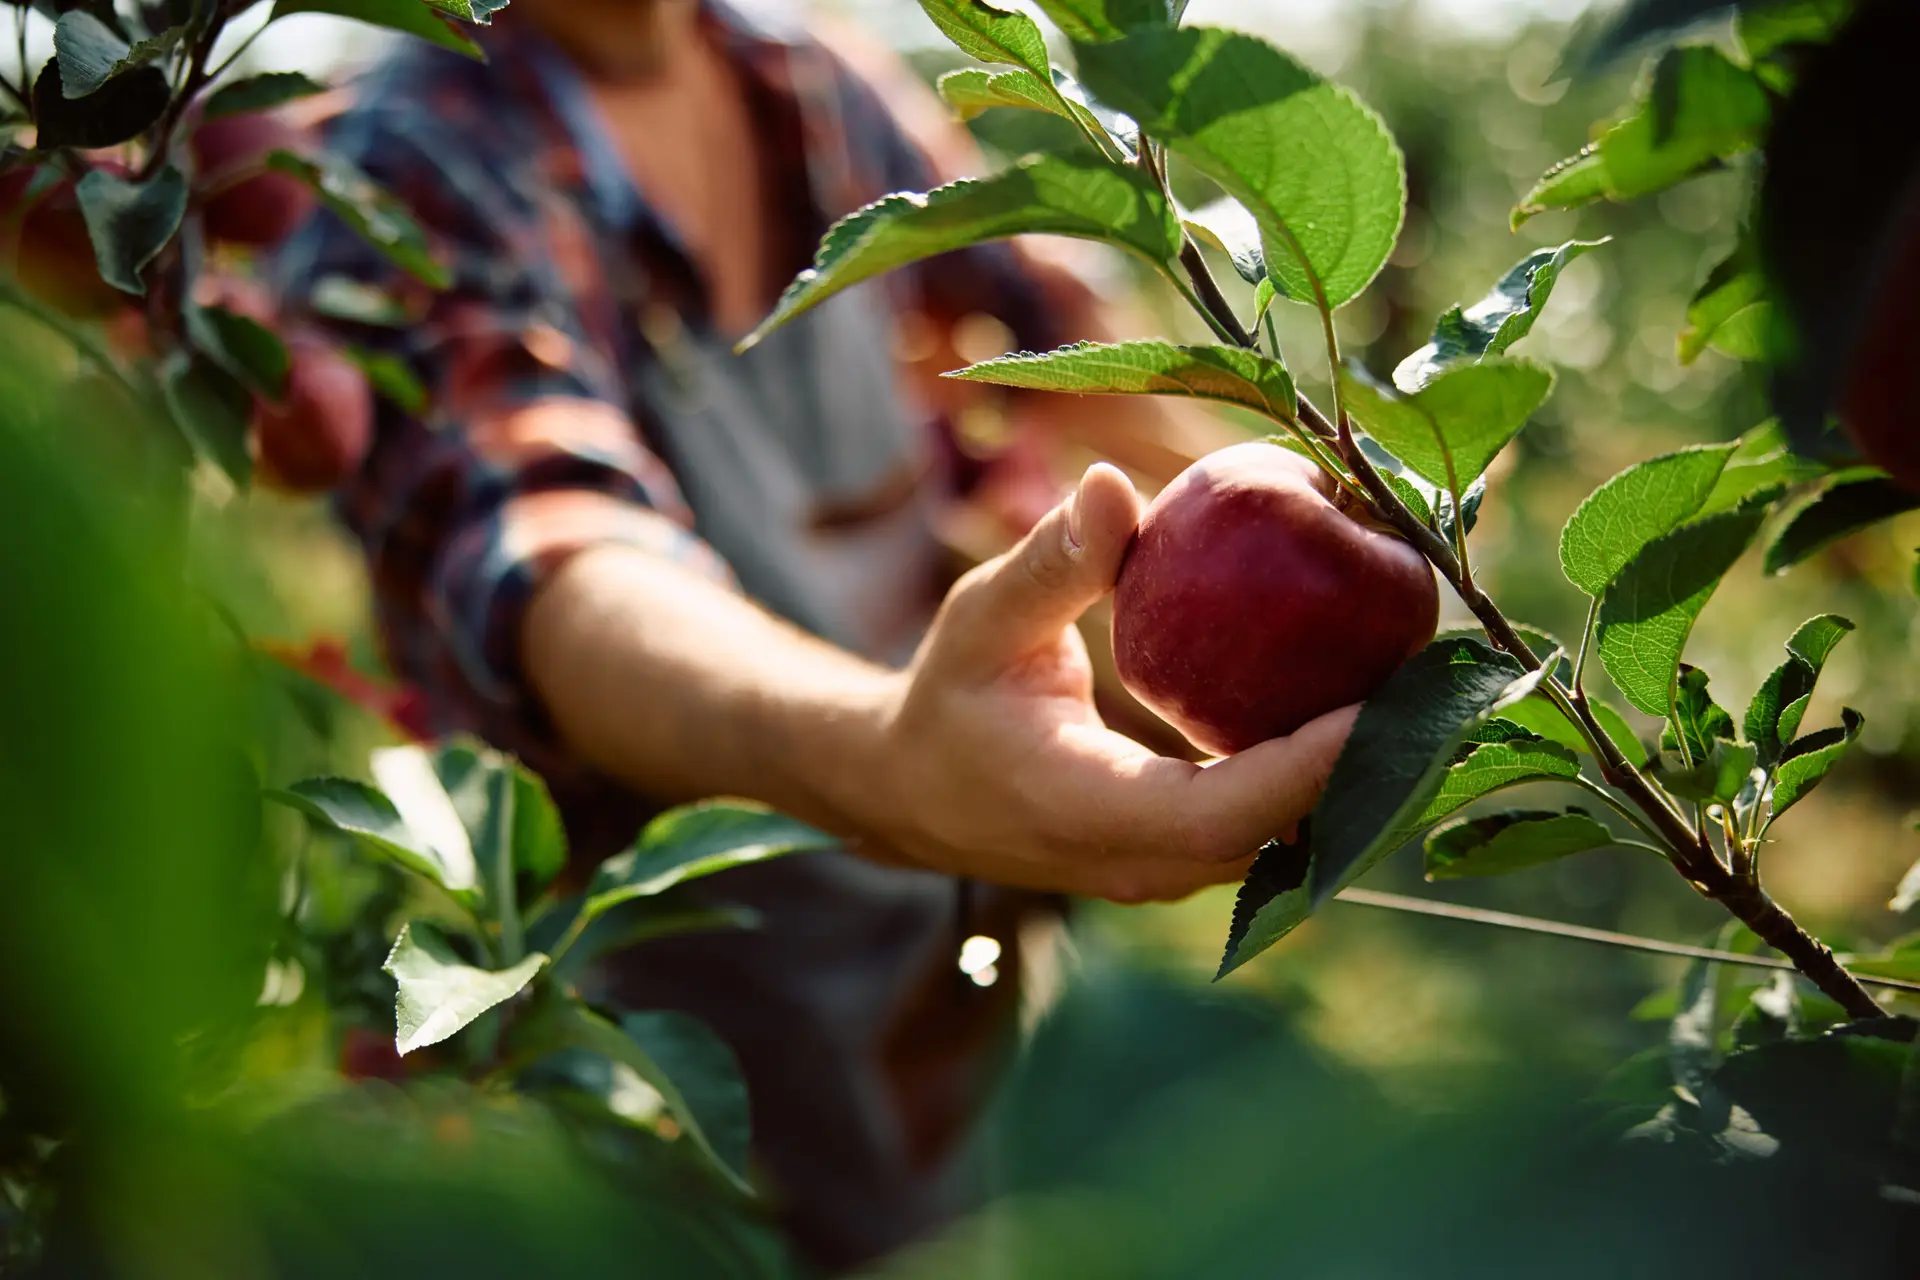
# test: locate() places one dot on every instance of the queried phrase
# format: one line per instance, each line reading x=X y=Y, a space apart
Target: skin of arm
x=983 y=758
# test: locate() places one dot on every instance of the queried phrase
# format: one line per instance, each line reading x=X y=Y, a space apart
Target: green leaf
x=1315 y=166
x=1493 y=766
x=1720 y=775
x=1539 y=715
x=1500 y=843
x=409 y=16
x=119 y=111
x=1693 y=1040
x=130 y=222
x=700 y=1063
x=1056 y=195
x=1579 y=179
x=991 y=34
x=1770 y=33
x=1231 y=375
x=392 y=377
x=480 y=11
x=568 y=1024
x=1453 y=427
x=242 y=346
x=1773 y=716
x=1228 y=227
x=214 y=411
x=1761 y=464
x=472 y=776
x=90 y=53
x=1649 y=609
x=1807 y=761
x=1397 y=756
x=259 y=93
x=371 y=818
x=1640 y=504
x=697 y=840
x=1392 y=767
x=1698 y=723
x=439 y=992
x=1732 y=297
x=1494 y=323
x=373 y=214
x=1843 y=509
x=1272 y=900
x=344 y=298
x=1697 y=108
x=1092 y=20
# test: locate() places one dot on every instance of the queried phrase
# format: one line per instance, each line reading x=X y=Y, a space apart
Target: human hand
x=994 y=765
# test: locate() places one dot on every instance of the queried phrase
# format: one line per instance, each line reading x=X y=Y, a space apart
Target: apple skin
x=259 y=210
x=49 y=249
x=1880 y=398
x=1249 y=604
x=319 y=433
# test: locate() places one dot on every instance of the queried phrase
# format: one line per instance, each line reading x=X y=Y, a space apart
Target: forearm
x=683 y=689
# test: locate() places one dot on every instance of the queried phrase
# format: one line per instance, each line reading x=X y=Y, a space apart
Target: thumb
x=1025 y=598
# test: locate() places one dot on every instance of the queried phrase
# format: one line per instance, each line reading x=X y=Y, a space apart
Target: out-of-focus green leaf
x=1454 y=426
x=371 y=212
x=1231 y=375
x=1057 y=195
x=1808 y=761
x=1649 y=609
x=439 y=992
x=1314 y=165
x=213 y=409
x=366 y=814
x=242 y=346
x=568 y=1024
x=1500 y=843
x=693 y=841
x=1732 y=296
x=1773 y=716
x=1642 y=503
x=1494 y=323
x=409 y=16
x=1768 y=31
x=393 y=378
x=1844 y=508
x=480 y=11
x=707 y=1074
x=1698 y=108
x=259 y=93
x=130 y=222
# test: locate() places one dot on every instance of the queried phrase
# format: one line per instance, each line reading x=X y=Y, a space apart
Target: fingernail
x=1073 y=520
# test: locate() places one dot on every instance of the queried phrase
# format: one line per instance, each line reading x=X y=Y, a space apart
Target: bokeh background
x=1405 y=1013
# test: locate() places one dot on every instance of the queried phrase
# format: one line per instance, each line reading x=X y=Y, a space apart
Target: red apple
x=245 y=203
x=318 y=434
x=1880 y=399
x=1250 y=604
x=48 y=248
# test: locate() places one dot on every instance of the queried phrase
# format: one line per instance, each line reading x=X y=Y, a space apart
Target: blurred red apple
x=48 y=249
x=319 y=432
x=245 y=203
x=1880 y=399
x=1250 y=604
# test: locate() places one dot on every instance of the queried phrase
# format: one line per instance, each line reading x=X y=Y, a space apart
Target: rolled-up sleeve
x=524 y=452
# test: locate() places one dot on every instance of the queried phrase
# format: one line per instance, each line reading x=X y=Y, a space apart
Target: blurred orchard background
x=1420 y=1009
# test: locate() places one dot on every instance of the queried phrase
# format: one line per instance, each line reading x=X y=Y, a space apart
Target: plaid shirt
x=557 y=261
